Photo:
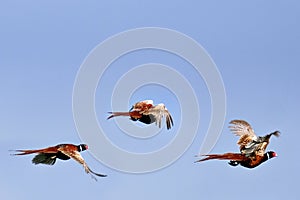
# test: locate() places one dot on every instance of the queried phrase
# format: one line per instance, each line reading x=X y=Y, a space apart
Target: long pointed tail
x=116 y=114
x=226 y=156
x=24 y=152
x=45 y=150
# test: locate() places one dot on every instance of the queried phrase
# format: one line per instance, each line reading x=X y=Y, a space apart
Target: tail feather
x=45 y=150
x=226 y=156
x=116 y=114
x=25 y=152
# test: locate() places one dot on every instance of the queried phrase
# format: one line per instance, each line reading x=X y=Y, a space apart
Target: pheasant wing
x=76 y=156
x=158 y=112
x=241 y=127
x=169 y=120
x=244 y=130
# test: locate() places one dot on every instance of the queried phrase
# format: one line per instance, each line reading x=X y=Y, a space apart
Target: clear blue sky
x=255 y=46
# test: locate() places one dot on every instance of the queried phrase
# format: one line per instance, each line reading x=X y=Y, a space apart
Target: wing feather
x=158 y=112
x=241 y=127
x=76 y=156
x=244 y=130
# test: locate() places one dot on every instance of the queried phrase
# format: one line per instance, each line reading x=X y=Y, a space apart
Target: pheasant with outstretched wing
x=147 y=113
x=252 y=147
x=49 y=155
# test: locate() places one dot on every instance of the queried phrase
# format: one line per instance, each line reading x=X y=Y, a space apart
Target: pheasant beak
x=86 y=147
x=275 y=154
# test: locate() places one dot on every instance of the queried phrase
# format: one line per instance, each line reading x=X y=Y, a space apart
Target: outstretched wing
x=244 y=130
x=169 y=120
x=158 y=112
x=241 y=127
x=76 y=156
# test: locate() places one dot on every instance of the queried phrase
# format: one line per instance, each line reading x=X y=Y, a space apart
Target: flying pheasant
x=49 y=155
x=147 y=113
x=252 y=147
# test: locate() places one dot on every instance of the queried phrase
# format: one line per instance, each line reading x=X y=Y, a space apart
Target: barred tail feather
x=226 y=156
x=25 y=152
x=116 y=114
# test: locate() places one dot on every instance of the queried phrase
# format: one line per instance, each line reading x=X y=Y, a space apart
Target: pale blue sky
x=255 y=46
